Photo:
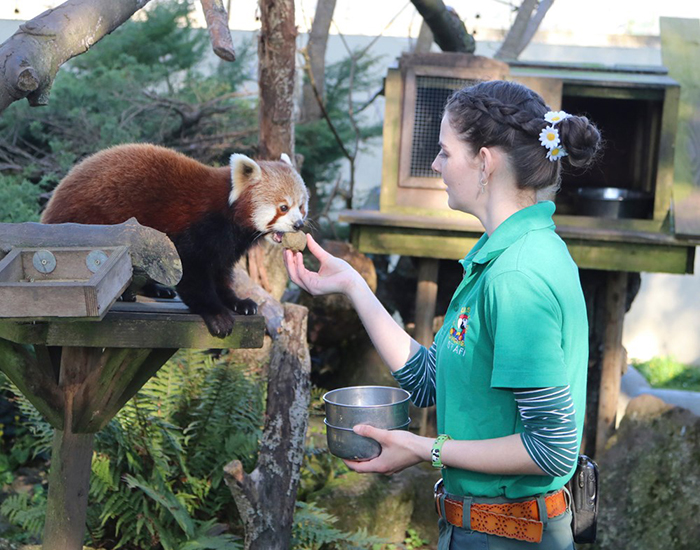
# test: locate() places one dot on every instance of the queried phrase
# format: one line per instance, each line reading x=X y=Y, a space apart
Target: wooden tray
x=62 y=282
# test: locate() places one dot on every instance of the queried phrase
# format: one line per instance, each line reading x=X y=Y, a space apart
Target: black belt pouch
x=584 y=495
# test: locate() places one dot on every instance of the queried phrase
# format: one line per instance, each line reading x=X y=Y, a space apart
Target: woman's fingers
x=295 y=264
x=315 y=248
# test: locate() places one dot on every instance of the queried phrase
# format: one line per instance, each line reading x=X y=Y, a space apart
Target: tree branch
x=30 y=58
x=316 y=59
x=219 y=32
x=448 y=29
x=523 y=29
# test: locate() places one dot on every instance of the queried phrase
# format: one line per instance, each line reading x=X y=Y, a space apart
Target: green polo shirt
x=517 y=320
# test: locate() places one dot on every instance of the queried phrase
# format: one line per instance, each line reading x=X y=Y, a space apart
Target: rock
x=386 y=506
x=650 y=480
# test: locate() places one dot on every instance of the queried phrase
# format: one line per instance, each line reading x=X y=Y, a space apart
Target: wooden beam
x=611 y=255
x=426 y=297
x=117 y=378
x=138 y=325
x=613 y=357
x=33 y=380
x=69 y=482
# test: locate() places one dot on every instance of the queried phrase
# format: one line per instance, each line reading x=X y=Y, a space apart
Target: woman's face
x=460 y=170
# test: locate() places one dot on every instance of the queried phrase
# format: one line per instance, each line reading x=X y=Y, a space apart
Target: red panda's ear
x=244 y=172
x=285 y=158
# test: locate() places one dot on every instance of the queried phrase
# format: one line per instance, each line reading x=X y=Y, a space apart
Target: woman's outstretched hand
x=400 y=449
x=334 y=275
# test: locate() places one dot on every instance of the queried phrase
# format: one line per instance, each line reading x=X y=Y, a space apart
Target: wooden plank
x=611 y=92
x=111 y=280
x=583 y=228
x=69 y=290
x=631 y=257
x=11 y=267
x=151 y=251
x=667 y=144
x=612 y=255
x=407 y=242
x=680 y=51
x=550 y=88
x=126 y=330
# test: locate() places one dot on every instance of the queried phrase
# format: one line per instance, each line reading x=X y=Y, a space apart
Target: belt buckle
x=438 y=487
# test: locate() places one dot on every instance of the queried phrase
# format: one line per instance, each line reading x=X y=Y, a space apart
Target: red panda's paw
x=245 y=307
x=219 y=324
x=157 y=290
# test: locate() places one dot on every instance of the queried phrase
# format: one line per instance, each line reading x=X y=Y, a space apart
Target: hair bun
x=580 y=139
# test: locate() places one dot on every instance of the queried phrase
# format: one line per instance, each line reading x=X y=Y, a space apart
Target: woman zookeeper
x=507 y=371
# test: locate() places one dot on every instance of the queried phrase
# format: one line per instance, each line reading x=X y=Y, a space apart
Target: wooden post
x=426 y=296
x=71 y=460
x=69 y=480
x=613 y=356
x=95 y=384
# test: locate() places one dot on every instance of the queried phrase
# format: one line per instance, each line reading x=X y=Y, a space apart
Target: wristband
x=436 y=453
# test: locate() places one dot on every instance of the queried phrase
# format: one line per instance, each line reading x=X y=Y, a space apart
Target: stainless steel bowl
x=379 y=406
x=613 y=202
x=344 y=443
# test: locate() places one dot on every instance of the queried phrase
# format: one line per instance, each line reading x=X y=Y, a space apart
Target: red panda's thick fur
x=212 y=214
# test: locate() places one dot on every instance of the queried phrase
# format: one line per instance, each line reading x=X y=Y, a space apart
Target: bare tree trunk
x=267 y=497
x=425 y=39
x=524 y=28
x=32 y=56
x=276 y=53
x=316 y=60
x=449 y=30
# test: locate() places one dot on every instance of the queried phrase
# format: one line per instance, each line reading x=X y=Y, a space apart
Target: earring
x=483 y=183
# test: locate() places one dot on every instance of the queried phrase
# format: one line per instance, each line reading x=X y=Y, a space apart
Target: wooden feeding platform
x=76 y=353
x=637 y=110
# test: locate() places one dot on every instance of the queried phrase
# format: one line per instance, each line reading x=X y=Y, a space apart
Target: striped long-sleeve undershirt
x=547 y=414
x=548 y=417
x=417 y=376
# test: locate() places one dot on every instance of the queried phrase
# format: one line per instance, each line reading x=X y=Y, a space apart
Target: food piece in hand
x=294 y=241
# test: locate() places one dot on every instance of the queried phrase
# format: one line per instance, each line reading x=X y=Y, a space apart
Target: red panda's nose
x=298 y=225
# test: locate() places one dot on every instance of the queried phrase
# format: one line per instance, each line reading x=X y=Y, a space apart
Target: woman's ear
x=488 y=160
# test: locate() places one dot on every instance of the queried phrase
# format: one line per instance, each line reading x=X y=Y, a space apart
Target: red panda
x=212 y=215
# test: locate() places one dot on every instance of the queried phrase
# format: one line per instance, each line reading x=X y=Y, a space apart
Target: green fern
x=26 y=511
x=313 y=529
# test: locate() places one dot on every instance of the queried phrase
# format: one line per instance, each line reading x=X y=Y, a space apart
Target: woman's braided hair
x=509 y=115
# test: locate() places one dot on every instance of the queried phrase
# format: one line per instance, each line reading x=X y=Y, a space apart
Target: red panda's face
x=278 y=197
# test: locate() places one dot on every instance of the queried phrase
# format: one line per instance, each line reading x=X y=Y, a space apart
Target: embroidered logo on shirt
x=459 y=330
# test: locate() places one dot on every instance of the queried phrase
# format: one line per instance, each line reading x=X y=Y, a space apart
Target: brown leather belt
x=513 y=520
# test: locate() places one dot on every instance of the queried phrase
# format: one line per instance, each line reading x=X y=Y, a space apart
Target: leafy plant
x=158 y=466
x=313 y=528
x=19 y=200
x=667 y=372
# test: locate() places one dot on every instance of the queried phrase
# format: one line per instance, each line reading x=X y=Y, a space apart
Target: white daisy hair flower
x=556 y=116
x=556 y=153
x=549 y=137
